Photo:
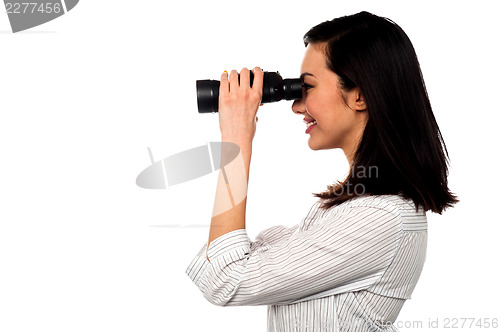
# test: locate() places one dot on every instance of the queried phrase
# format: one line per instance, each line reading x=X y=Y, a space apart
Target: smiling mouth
x=309 y=124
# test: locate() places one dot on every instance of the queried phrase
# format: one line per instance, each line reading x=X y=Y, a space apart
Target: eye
x=306 y=86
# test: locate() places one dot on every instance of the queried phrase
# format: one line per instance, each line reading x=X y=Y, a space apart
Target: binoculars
x=274 y=88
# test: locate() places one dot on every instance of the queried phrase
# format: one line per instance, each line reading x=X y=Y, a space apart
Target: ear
x=358 y=100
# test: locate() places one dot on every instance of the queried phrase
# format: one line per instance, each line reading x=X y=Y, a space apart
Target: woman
x=356 y=257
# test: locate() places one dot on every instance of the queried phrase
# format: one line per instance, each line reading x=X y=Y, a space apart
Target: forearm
x=230 y=198
x=238 y=107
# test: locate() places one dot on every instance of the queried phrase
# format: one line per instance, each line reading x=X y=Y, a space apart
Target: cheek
x=319 y=107
x=315 y=107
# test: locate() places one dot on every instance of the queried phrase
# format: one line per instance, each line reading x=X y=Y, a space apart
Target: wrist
x=243 y=143
x=245 y=147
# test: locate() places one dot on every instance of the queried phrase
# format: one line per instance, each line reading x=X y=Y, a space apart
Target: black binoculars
x=274 y=88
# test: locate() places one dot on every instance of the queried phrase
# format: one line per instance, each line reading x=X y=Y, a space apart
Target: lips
x=310 y=126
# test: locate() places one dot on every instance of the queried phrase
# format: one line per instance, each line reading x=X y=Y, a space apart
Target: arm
x=349 y=251
x=265 y=239
x=238 y=104
x=232 y=184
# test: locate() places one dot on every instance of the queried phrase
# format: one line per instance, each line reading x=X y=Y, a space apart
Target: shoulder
x=401 y=211
x=394 y=204
x=369 y=207
x=366 y=218
x=368 y=210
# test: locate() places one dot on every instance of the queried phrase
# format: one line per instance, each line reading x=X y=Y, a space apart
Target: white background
x=82 y=248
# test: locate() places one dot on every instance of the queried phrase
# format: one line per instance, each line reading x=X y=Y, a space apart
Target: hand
x=238 y=105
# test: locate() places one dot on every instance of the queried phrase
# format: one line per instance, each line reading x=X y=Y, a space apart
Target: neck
x=349 y=154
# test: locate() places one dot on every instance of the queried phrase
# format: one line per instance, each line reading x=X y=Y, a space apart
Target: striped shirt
x=348 y=268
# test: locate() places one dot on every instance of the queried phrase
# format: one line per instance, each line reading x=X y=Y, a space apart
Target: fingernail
x=225 y=71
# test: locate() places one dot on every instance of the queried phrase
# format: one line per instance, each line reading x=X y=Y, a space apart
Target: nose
x=299 y=107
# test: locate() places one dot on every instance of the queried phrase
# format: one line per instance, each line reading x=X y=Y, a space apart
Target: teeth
x=310 y=123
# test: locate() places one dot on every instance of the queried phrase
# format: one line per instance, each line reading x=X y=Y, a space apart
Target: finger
x=245 y=78
x=233 y=80
x=258 y=79
x=224 y=83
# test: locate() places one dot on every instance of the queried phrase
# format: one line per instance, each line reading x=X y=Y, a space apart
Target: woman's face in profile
x=338 y=123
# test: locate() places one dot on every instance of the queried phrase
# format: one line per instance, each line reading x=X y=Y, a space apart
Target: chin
x=313 y=145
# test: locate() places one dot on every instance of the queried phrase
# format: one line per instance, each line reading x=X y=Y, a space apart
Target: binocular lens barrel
x=274 y=89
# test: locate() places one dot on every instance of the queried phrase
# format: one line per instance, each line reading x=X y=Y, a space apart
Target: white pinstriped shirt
x=349 y=268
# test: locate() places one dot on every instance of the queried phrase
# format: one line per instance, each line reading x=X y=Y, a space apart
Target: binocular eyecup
x=274 y=88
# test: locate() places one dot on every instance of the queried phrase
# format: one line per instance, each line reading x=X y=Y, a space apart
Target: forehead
x=314 y=60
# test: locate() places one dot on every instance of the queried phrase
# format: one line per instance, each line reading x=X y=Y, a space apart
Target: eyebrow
x=304 y=75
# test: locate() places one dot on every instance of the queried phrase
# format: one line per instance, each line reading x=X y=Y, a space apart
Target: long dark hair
x=402 y=150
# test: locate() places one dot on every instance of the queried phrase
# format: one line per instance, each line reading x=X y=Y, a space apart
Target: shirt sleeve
x=349 y=250
x=266 y=238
